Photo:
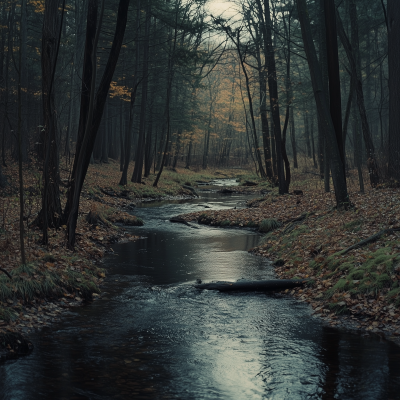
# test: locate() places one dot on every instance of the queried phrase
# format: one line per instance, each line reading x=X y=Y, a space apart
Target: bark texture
x=393 y=15
x=337 y=168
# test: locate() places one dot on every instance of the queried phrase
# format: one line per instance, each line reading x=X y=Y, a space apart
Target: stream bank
x=151 y=335
x=56 y=278
x=355 y=287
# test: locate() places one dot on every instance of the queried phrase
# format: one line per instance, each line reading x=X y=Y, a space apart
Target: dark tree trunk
x=50 y=214
x=312 y=143
x=252 y=286
x=137 y=172
x=88 y=132
x=208 y=132
x=273 y=96
x=24 y=81
x=171 y=62
x=177 y=147
x=253 y=124
x=122 y=147
x=149 y=145
x=355 y=64
x=324 y=165
x=337 y=169
x=265 y=130
x=393 y=12
x=357 y=147
x=334 y=73
x=128 y=129
x=307 y=135
x=293 y=138
x=189 y=154
x=284 y=154
x=348 y=112
x=263 y=115
x=273 y=149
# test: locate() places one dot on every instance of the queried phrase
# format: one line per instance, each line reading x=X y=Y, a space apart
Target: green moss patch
x=268 y=225
x=370 y=278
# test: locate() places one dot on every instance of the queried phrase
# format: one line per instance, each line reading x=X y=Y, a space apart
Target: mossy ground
x=364 y=283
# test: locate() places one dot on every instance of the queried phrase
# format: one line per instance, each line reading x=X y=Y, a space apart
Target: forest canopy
x=276 y=85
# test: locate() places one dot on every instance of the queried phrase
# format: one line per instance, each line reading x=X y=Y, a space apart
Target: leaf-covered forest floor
x=55 y=277
x=307 y=237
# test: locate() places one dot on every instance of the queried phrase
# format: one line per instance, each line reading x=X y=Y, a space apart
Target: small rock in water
x=198 y=281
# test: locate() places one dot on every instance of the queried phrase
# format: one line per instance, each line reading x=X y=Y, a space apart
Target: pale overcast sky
x=220 y=7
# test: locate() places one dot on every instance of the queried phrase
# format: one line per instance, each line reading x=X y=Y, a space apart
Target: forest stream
x=153 y=336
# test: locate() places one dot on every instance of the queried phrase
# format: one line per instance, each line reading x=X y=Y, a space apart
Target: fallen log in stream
x=250 y=286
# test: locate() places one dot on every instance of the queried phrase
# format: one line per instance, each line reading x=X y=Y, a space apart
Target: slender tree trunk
x=137 y=172
x=273 y=149
x=293 y=138
x=357 y=147
x=208 y=131
x=335 y=99
x=149 y=144
x=284 y=154
x=355 y=64
x=324 y=165
x=337 y=169
x=177 y=148
x=92 y=107
x=20 y=174
x=24 y=81
x=348 y=112
x=50 y=214
x=273 y=96
x=105 y=147
x=128 y=131
x=253 y=123
x=4 y=62
x=189 y=154
x=263 y=115
x=312 y=143
x=307 y=135
x=393 y=12
x=171 y=62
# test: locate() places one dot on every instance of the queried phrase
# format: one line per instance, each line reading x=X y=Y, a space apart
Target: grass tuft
x=268 y=225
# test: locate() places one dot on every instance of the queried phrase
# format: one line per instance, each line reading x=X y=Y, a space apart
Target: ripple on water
x=157 y=336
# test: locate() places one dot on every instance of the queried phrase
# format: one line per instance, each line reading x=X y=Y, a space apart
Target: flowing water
x=154 y=336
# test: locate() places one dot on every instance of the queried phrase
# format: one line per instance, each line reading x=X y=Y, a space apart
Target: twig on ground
x=3 y=270
x=371 y=239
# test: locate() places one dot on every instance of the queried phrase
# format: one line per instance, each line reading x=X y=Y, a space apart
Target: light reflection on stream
x=155 y=336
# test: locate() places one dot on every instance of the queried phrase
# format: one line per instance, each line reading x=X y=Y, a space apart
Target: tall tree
x=50 y=214
x=337 y=167
x=335 y=98
x=273 y=97
x=92 y=106
x=393 y=14
x=353 y=55
x=323 y=63
x=135 y=84
x=137 y=172
x=242 y=54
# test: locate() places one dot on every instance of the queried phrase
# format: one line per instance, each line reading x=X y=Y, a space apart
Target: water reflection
x=158 y=337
